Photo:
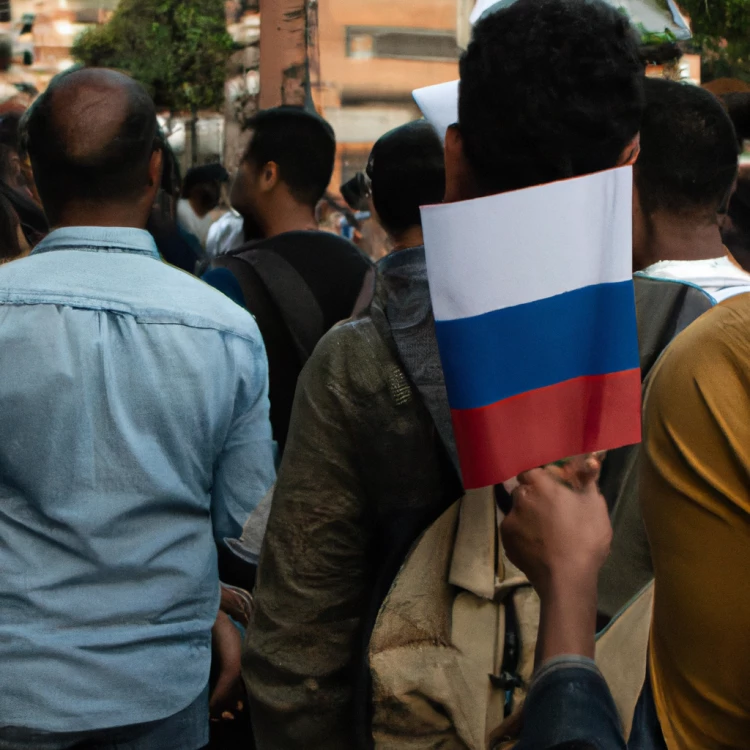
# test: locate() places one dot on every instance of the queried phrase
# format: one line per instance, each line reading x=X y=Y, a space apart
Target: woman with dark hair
x=13 y=243
x=175 y=246
x=17 y=182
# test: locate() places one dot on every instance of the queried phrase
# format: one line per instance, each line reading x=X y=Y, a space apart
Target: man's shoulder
x=208 y=305
x=315 y=240
x=354 y=353
x=147 y=288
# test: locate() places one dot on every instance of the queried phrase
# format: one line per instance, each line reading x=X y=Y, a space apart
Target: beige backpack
x=439 y=652
x=439 y=644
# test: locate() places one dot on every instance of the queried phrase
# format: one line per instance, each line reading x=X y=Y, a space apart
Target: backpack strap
x=291 y=294
x=725 y=294
x=622 y=653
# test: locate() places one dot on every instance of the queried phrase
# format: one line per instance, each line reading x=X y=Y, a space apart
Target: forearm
x=567 y=623
x=569 y=701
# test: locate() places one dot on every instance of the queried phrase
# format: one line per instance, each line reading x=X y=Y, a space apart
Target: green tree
x=722 y=33
x=178 y=49
x=728 y=19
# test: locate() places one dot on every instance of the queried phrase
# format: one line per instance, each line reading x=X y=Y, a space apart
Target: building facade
x=371 y=54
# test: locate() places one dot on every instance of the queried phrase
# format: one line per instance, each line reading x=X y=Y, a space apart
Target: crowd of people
x=231 y=504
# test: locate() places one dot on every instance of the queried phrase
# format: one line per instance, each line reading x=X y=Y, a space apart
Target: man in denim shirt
x=135 y=439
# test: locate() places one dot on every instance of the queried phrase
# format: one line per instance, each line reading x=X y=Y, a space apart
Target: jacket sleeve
x=298 y=654
x=569 y=707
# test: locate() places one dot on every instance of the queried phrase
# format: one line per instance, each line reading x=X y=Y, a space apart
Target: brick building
x=371 y=55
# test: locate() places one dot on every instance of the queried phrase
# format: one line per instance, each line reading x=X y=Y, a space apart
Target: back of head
x=737 y=106
x=301 y=144
x=688 y=159
x=203 y=185
x=90 y=137
x=550 y=89
x=213 y=173
x=407 y=170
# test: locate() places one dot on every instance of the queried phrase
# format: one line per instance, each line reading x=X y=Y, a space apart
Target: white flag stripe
x=513 y=248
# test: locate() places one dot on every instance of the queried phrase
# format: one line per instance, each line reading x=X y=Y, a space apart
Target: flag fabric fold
x=535 y=321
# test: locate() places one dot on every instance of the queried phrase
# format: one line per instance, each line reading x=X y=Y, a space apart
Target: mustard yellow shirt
x=695 y=494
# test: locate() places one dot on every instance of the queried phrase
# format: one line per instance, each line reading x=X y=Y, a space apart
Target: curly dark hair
x=550 y=89
x=688 y=160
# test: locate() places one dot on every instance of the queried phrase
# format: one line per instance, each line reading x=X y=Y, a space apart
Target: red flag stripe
x=582 y=415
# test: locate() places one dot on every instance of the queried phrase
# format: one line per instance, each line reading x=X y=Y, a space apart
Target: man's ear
x=631 y=152
x=269 y=176
x=155 y=168
x=459 y=181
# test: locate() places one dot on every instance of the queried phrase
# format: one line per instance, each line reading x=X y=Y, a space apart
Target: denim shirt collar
x=100 y=240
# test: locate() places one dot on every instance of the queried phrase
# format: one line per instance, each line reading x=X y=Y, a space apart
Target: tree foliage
x=178 y=49
x=728 y=19
x=722 y=34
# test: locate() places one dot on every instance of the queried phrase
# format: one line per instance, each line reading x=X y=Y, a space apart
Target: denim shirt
x=134 y=436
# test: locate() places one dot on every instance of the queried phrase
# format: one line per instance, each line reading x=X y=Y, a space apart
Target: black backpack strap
x=294 y=299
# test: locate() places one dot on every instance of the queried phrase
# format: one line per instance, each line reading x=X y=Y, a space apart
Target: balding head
x=90 y=137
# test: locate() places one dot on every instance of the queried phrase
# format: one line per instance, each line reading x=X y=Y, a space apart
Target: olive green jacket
x=364 y=473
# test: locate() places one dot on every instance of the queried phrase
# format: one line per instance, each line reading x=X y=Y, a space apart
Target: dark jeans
x=186 y=730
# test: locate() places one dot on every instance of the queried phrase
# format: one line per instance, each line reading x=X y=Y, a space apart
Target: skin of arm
x=559 y=534
x=560 y=537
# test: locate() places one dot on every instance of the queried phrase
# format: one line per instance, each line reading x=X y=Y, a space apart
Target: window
x=368 y=42
x=5 y=11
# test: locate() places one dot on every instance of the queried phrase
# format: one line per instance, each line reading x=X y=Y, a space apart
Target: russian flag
x=535 y=319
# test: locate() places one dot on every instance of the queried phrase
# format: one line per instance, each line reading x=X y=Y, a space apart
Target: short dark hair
x=213 y=173
x=67 y=169
x=301 y=143
x=550 y=89
x=407 y=170
x=688 y=160
x=737 y=105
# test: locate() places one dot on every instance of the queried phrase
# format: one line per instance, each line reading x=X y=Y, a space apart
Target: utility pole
x=284 y=53
x=463 y=27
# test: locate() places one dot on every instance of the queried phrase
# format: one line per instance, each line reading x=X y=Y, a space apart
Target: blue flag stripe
x=586 y=332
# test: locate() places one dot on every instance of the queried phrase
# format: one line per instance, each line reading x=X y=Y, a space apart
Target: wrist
x=579 y=582
x=568 y=615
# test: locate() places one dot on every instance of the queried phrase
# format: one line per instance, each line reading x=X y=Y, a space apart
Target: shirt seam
x=110 y=247
x=140 y=317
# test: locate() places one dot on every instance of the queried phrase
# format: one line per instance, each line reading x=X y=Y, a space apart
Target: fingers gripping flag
x=535 y=320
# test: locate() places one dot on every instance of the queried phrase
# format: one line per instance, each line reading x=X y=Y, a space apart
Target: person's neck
x=289 y=217
x=674 y=238
x=411 y=237
x=133 y=216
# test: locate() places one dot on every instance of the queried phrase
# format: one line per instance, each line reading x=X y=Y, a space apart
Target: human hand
x=579 y=471
x=228 y=694
x=576 y=472
x=555 y=532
